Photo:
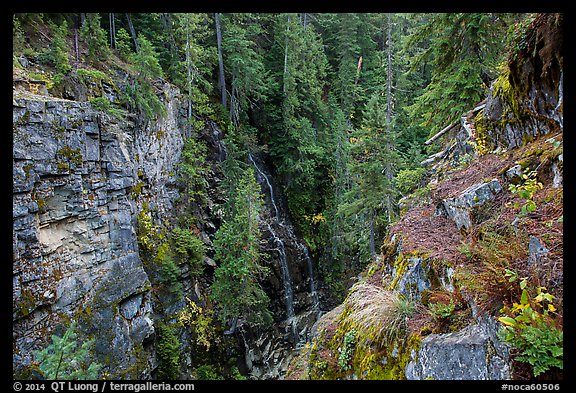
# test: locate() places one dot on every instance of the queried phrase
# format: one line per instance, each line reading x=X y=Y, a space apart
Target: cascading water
x=291 y=236
x=313 y=293
x=269 y=187
x=288 y=293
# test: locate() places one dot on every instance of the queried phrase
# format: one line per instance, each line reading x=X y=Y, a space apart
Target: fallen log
x=444 y=130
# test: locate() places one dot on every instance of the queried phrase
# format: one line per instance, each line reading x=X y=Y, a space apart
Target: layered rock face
x=79 y=176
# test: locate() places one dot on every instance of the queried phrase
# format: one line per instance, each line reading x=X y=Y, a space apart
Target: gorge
x=288 y=196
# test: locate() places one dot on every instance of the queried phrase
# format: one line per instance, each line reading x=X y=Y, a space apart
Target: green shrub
x=408 y=180
x=104 y=105
x=207 y=372
x=191 y=170
x=526 y=191
x=170 y=272
x=347 y=350
x=168 y=351
x=530 y=327
x=189 y=248
x=441 y=310
x=236 y=375
x=91 y=75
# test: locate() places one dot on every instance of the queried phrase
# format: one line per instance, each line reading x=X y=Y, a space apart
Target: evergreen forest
x=287 y=195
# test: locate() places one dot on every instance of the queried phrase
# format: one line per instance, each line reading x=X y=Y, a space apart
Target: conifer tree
x=249 y=80
x=294 y=138
x=58 y=53
x=95 y=36
x=236 y=289
x=372 y=150
x=463 y=51
x=63 y=358
x=196 y=61
x=140 y=92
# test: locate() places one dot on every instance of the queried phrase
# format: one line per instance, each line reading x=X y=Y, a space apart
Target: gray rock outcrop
x=75 y=249
x=458 y=208
x=473 y=353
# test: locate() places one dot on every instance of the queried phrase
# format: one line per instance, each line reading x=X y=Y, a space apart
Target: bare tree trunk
x=372 y=242
x=286 y=54
x=221 y=79
x=132 y=31
x=112 y=19
x=388 y=166
x=189 y=69
x=76 y=46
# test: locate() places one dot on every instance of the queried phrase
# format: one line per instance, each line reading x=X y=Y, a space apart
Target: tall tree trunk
x=132 y=31
x=189 y=70
x=286 y=54
x=76 y=46
x=221 y=79
x=112 y=30
x=388 y=167
x=372 y=242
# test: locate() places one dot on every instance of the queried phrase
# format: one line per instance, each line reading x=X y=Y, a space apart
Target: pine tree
x=196 y=61
x=168 y=352
x=294 y=139
x=95 y=36
x=460 y=48
x=140 y=92
x=244 y=60
x=236 y=289
x=64 y=359
x=58 y=53
x=372 y=151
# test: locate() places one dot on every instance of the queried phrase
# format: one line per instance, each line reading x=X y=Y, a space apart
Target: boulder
x=458 y=208
x=473 y=353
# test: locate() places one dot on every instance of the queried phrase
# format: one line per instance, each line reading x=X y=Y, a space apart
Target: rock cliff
x=80 y=178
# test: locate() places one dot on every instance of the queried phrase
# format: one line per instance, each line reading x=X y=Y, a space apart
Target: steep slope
x=477 y=251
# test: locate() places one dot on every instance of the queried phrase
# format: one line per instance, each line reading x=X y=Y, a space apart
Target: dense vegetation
x=341 y=103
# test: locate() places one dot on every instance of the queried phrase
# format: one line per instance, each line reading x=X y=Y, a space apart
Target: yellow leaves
x=200 y=321
x=316 y=218
x=507 y=321
x=543 y=295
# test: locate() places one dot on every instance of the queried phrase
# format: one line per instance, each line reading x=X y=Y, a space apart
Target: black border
x=318 y=6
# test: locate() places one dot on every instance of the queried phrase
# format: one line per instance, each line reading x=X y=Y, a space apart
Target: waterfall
x=313 y=293
x=288 y=293
x=290 y=235
x=269 y=186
